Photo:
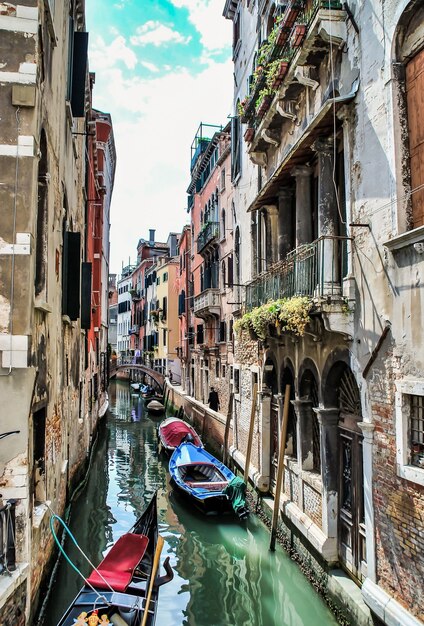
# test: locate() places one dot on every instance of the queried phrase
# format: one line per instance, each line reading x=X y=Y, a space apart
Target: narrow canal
x=224 y=573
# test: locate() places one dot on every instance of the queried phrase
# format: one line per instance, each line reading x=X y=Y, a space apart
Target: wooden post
x=227 y=427
x=250 y=438
x=155 y=566
x=280 y=466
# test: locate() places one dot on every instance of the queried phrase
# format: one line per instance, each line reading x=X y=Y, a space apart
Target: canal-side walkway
x=340 y=591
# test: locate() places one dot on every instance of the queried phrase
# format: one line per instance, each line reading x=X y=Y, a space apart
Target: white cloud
x=156 y=33
x=206 y=16
x=150 y=66
x=154 y=123
x=104 y=56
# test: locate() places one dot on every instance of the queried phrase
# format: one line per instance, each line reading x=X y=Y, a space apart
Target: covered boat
x=173 y=430
x=204 y=480
x=155 y=407
x=123 y=590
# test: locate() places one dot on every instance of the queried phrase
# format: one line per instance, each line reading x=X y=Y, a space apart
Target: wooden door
x=415 y=105
x=352 y=554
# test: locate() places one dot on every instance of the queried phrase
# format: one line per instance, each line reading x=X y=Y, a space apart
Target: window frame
x=405 y=389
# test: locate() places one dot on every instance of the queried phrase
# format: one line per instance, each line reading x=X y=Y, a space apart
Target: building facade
x=46 y=250
x=327 y=194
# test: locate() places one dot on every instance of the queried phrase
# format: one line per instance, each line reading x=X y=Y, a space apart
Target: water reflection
x=224 y=573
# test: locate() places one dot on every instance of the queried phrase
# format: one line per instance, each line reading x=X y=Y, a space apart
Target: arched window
x=223 y=275
x=223 y=224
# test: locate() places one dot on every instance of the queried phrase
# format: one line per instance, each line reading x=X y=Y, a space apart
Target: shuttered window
x=415 y=102
x=71 y=275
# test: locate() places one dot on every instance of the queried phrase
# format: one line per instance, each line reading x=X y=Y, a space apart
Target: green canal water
x=224 y=573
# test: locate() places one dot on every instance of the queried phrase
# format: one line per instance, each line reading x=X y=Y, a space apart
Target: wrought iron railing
x=314 y=269
x=209 y=232
x=7 y=537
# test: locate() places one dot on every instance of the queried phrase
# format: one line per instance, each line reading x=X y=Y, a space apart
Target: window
x=165 y=277
x=164 y=336
x=223 y=371
x=217 y=368
x=223 y=224
x=236 y=380
x=222 y=179
x=158 y=280
x=235 y=146
x=41 y=242
x=164 y=308
x=222 y=331
x=410 y=430
x=199 y=338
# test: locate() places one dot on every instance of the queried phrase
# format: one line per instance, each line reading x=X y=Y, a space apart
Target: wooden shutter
x=86 y=296
x=415 y=102
x=79 y=72
x=71 y=275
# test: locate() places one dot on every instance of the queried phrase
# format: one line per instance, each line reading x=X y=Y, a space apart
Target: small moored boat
x=123 y=590
x=173 y=430
x=155 y=407
x=209 y=484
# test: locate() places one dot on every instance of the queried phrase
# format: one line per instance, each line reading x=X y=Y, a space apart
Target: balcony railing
x=7 y=537
x=209 y=232
x=315 y=269
x=207 y=303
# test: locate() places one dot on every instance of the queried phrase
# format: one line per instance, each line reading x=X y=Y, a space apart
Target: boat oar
x=155 y=566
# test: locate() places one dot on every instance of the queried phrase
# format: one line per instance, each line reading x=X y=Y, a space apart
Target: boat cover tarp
x=236 y=493
x=174 y=432
x=120 y=562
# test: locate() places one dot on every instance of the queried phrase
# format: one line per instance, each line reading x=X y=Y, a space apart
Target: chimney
x=152 y=236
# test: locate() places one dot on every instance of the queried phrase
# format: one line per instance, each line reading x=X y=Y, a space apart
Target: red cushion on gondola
x=174 y=432
x=120 y=562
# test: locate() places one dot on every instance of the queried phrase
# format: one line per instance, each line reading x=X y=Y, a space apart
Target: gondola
x=123 y=590
x=208 y=484
x=173 y=430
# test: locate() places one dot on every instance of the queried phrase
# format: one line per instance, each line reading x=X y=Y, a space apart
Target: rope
x=60 y=520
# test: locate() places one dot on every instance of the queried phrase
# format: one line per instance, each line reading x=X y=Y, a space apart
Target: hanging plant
x=284 y=315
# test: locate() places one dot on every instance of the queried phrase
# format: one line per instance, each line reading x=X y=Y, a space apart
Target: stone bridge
x=158 y=378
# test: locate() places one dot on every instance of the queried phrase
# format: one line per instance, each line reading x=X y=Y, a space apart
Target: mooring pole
x=250 y=438
x=280 y=466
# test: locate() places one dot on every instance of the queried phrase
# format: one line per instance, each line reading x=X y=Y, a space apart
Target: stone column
x=285 y=222
x=329 y=279
x=303 y=175
x=367 y=454
x=271 y=234
x=303 y=409
x=328 y=420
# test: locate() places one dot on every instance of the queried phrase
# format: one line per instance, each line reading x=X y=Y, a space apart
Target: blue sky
x=161 y=67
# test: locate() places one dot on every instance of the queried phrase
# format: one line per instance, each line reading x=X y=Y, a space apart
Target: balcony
x=316 y=270
x=210 y=231
x=208 y=304
x=301 y=33
x=7 y=537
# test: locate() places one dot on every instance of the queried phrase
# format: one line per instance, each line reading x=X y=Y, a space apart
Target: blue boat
x=209 y=484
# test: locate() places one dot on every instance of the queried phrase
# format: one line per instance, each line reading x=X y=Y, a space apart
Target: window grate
x=416 y=428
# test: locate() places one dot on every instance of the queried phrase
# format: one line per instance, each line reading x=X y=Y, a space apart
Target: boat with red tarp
x=173 y=430
x=123 y=590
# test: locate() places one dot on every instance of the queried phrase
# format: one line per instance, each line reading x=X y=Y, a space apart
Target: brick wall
x=12 y=613
x=398 y=503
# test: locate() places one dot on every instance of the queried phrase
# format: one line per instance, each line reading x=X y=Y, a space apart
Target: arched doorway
x=341 y=385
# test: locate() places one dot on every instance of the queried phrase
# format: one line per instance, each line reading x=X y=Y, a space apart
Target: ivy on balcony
x=277 y=316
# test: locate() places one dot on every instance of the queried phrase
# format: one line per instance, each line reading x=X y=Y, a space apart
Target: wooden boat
x=204 y=480
x=124 y=588
x=173 y=430
x=155 y=407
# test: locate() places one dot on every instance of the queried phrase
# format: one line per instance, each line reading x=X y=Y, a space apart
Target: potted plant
x=263 y=102
x=276 y=72
x=249 y=133
x=297 y=35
